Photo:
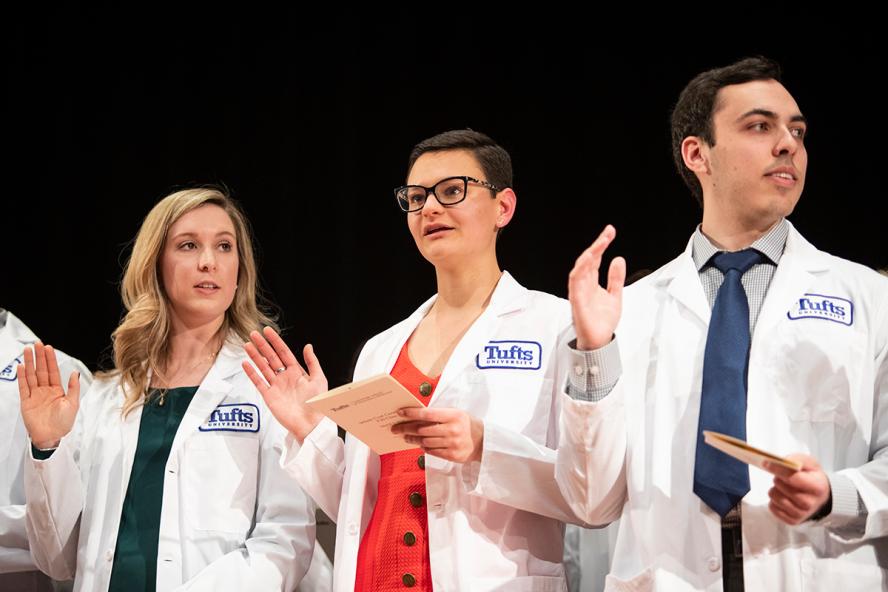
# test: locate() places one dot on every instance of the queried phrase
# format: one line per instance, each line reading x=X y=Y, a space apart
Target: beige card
x=744 y=452
x=367 y=409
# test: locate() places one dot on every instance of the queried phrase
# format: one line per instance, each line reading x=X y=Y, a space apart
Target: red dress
x=394 y=551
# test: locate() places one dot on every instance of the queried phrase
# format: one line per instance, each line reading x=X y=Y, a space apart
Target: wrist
x=591 y=344
x=46 y=444
x=307 y=426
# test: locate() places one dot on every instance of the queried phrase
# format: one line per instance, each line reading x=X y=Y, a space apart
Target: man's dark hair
x=493 y=158
x=697 y=103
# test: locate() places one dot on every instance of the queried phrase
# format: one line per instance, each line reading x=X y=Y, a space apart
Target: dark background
x=309 y=123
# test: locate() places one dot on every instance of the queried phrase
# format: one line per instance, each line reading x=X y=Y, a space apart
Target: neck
x=731 y=233
x=189 y=341
x=464 y=288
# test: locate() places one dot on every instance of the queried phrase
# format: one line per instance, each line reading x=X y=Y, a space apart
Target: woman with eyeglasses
x=170 y=478
x=475 y=506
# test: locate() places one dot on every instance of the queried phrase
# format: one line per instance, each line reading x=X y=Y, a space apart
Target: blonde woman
x=169 y=478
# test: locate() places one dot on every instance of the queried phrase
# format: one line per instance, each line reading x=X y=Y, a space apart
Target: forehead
x=734 y=101
x=431 y=167
x=208 y=219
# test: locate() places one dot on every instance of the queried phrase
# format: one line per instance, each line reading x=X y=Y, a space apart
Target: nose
x=207 y=261
x=787 y=143
x=432 y=205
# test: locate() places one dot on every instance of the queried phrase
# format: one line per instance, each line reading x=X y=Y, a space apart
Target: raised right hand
x=47 y=412
x=596 y=310
x=283 y=383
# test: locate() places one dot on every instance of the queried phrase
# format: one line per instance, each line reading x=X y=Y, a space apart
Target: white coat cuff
x=322 y=437
x=848 y=511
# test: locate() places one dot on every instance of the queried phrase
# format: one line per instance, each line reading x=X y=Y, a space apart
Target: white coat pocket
x=818 y=356
x=221 y=479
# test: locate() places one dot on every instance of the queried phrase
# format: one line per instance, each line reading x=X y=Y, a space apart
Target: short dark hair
x=692 y=115
x=493 y=158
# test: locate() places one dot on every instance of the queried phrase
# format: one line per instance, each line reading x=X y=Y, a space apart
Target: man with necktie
x=751 y=332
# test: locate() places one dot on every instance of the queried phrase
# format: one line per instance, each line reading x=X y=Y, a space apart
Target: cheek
x=802 y=161
x=168 y=274
x=413 y=224
x=232 y=273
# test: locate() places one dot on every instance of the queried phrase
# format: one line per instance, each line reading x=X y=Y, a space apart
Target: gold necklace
x=210 y=357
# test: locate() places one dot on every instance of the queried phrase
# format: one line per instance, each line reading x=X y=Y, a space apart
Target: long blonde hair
x=141 y=341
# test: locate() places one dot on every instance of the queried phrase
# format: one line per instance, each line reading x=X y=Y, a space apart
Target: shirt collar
x=771 y=245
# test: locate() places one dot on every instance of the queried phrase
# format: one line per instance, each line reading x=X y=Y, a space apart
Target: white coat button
x=109 y=555
x=352 y=529
x=578 y=370
x=714 y=563
x=593 y=371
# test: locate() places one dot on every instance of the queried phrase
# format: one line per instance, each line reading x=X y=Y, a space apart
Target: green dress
x=135 y=557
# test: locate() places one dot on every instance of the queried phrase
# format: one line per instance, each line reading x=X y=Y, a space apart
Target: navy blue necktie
x=719 y=480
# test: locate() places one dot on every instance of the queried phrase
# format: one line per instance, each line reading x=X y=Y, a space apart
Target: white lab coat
x=15 y=557
x=817 y=385
x=231 y=519
x=494 y=524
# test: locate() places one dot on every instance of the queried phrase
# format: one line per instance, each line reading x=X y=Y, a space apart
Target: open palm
x=282 y=381
x=48 y=413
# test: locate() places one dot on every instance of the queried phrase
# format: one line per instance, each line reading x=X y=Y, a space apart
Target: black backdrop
x=309 y=124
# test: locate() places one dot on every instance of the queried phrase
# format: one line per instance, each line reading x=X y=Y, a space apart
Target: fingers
x=312 y=363
x=254 y=376
x=430 y=443
x=428 y=414
x=24 y=391
x=281 y=348
x=73 y=388
x=267 y=352
x=595 y=251
x=585 y=271
x=30 y=372
x=40 y=358
x=425 y=429
x=260 y=362
x=781 y=515
x=616 y=277
x=778 y=470
x=52 y=367
x=784 y=508
x=802 y=482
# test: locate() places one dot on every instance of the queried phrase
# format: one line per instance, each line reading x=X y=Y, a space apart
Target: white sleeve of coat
x=279 y=549
x=318 y=465
x=510 y=461
x=871 y=479
x=54 y=496
x=516 y=471
x=14 y=553
x=590 y=468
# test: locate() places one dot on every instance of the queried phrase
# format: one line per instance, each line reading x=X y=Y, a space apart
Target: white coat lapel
x=392 y=347
x=214 y=388
x=795 y=273
x=685 y=286
x=508 y=296
x=129 y=441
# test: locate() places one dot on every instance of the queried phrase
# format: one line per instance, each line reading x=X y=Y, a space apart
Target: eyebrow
x=772 y=115
x=220 y=234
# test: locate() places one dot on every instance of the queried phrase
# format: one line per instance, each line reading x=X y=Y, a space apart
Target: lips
x=433 y=229
x=207 y=286
x=785 y=173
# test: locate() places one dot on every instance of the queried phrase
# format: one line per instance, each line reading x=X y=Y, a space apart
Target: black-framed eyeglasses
x=448 y=192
